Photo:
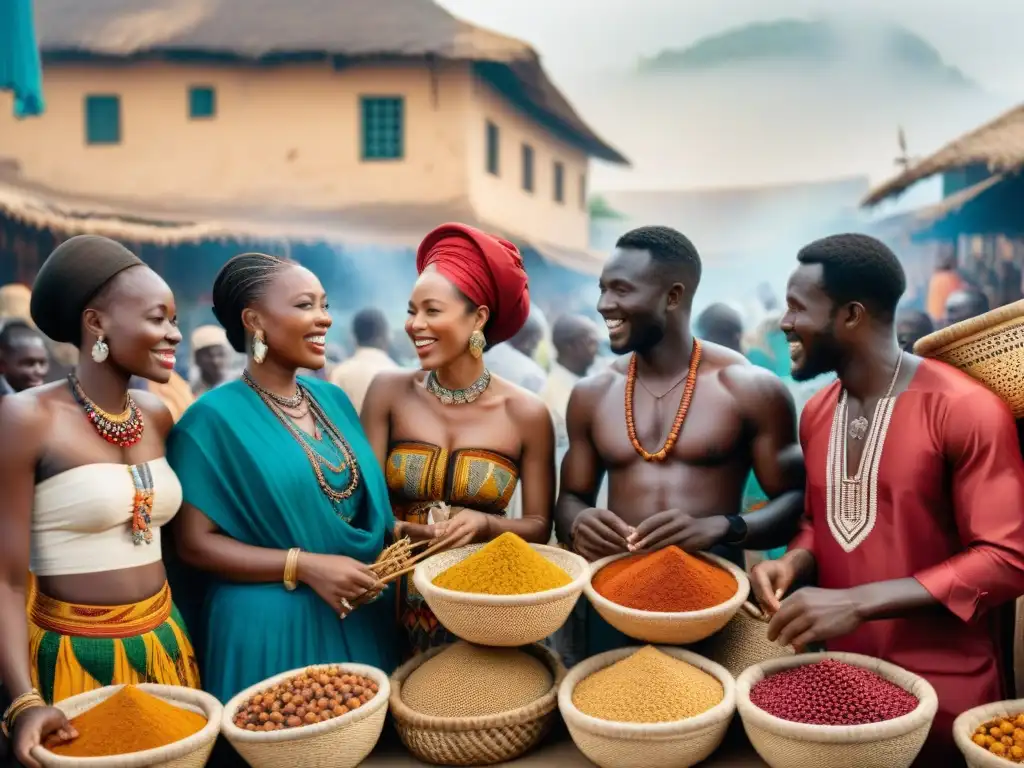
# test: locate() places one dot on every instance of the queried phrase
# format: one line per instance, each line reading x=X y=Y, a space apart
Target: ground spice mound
x=467 y=680
x=832 y=693
x=505 y=566
x=129 y=721
x=647 y=687
x=317 y=695
x=666 y=581
x=1003 y=737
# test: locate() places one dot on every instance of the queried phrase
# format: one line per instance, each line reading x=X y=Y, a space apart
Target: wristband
x=28 y=700
x=291 y=569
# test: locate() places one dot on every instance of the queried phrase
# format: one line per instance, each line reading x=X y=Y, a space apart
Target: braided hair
x=240 y=282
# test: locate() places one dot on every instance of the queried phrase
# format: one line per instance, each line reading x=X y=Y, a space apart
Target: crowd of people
x=218 y=531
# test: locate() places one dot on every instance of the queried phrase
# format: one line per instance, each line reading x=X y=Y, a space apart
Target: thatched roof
x=998 y=145
x=278 y=31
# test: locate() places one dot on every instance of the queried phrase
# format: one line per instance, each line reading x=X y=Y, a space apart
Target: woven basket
x=484 y=740
x=647 y=745
x=192 y=752
x=342 y=742
x=989 y=347
x=784 y=744
x=743 y=642
x=965 y=725
x=670 y=628
x=501 y=620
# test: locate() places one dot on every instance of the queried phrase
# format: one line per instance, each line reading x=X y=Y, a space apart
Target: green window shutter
x=383 y=127
x=493 y=154
x=103 y=119
x=202 y=102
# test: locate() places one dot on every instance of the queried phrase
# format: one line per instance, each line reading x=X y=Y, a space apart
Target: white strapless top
x=82 y=518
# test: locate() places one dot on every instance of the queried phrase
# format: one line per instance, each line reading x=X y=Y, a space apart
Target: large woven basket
x=501 y=620
x=342 y=742
x=743 y=642
x=647 y=745
x=670 y=628
x=192 y=752
x=965 y=725
x=989 y=347
x=785 y=744
x=475 y=740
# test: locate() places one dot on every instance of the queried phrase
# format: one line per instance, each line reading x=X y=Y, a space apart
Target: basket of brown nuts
x=327 y=715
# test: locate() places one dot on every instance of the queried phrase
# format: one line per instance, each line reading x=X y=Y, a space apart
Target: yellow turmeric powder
x=129 y=721
x=505 y=566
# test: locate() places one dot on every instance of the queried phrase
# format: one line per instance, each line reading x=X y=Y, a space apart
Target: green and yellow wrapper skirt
x=79 y=648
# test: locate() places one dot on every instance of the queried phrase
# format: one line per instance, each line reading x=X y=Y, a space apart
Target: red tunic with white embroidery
x=942 y=501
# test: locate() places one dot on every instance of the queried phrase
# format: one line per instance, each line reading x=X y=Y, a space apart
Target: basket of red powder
x=833 y=710
x=667 y=596
x=991 y=735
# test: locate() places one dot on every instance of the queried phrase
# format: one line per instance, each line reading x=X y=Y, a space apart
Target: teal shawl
x=243 y=469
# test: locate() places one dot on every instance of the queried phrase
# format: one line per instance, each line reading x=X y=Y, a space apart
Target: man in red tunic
x=915 y=488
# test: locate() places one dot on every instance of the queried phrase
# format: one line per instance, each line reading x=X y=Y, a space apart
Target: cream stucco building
x=362 y=119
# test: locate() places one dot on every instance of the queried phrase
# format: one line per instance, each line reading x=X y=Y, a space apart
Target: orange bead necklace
x=684 y=407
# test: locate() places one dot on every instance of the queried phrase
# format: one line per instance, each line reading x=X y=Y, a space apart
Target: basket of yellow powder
x=992 y=735
x=132 y=726
x=464 y=704
x=334 y=730
x=647 y=707
x=504 y=593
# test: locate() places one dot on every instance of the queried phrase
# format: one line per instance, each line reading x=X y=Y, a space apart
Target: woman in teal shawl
x=270 y=463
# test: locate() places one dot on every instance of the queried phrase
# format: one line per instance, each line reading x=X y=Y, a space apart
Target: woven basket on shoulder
x=501 y=620
x=342 y=742
x=743 y=642
x=487 y=740
x=890 y=744
x=670 y=628
x=965 y=725
x=989 y=347
x=678 y=744
x=192 y=752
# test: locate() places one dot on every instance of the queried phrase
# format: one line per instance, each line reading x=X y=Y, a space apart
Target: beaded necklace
x=458 y=396
x=316 y=460
x=123 y=429
x=684 y=407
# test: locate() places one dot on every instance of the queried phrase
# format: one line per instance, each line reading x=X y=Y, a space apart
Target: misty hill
x=811 y=43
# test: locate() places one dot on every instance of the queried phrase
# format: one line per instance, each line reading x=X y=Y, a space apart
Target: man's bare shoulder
x=754 y=386
x=719 y=358
x=600 y=382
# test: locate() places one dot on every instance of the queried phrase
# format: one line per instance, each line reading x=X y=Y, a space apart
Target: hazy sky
x=713 y=133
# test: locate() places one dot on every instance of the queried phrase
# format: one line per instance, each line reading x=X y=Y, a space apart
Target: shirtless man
x=740 y=417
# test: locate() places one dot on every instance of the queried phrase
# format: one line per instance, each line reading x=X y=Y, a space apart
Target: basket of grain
x=833 y=710
x=990 y=734
x=647 y=707
x=504 y=593
x=323 y=716
x=137 y=714
x=667 y=596
x=989 y=348
x=464 y=704
x=743 y=642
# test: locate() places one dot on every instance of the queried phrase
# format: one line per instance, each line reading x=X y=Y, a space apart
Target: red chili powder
x=832 y=693
x=666 y=581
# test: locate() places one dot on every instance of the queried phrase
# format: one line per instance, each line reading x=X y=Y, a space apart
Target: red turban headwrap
x=487 y=269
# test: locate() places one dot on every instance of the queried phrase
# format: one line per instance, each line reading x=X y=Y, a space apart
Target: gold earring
x=477 y=342
x=259 y=348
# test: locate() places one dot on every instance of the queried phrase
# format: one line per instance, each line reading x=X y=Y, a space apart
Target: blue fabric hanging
x=20 y=68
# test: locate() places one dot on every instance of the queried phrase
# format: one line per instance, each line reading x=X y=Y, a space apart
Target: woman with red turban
x=453 y=432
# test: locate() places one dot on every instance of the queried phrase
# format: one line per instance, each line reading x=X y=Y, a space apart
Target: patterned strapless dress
x=419 y=474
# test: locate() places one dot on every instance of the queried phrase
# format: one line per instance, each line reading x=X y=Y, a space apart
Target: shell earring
x=100 y=350
x=477 y=342
x=259 y=348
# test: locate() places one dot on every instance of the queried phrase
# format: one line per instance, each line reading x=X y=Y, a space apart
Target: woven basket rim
x=208 y=705
x=524 y=714
x=994 y=320
x=423 y=580
x=234 y=733
x=966 y=722
x=923 y=714
x=722 y=711
x=730 y=606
